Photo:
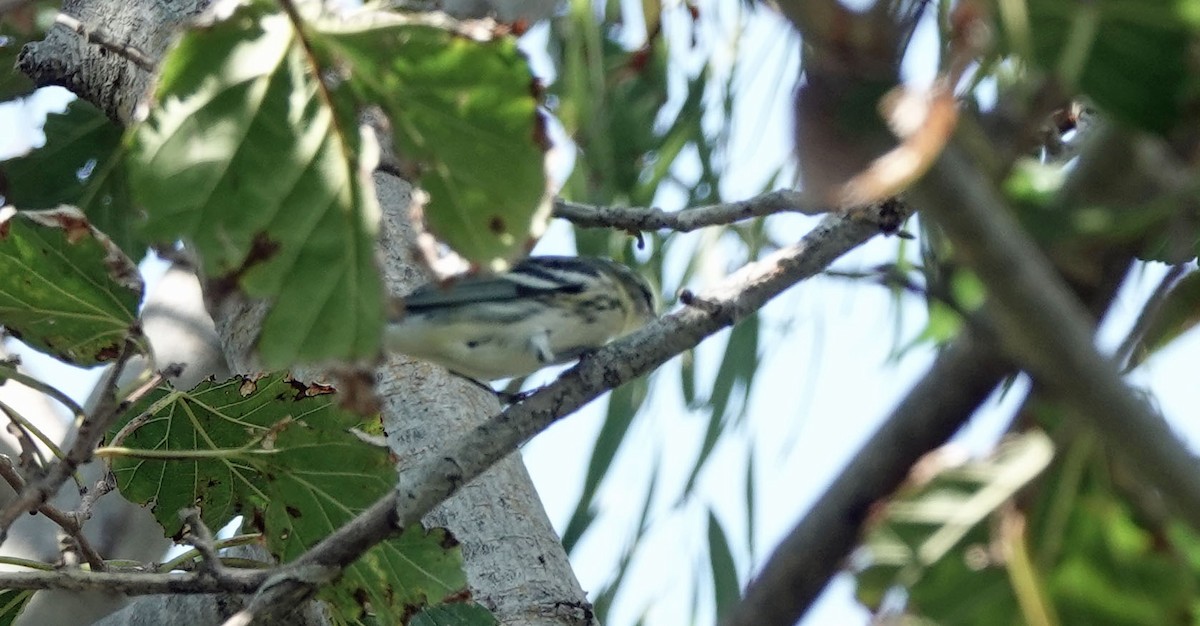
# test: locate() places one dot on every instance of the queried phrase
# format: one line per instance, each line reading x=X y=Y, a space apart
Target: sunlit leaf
x=81 y=164
x=65 y=288
x=259 y=164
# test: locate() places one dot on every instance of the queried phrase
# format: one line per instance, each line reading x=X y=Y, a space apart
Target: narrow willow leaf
x=248 y=155
x=81 y=164
x=1179 y=313
x=464 y=116
x=623 y=404
x=283 y=455
x=922 y=526
x=738 y=367
x=724 y=571
x=12 y=602
x=65 y=288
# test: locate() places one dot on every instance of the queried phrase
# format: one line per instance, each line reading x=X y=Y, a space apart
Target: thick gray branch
x=1048 y=331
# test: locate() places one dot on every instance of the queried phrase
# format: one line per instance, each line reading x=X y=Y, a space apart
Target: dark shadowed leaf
x=284 y=456
x=737 y=369
x=623 y=405
x=12 y=602
x=65 y=288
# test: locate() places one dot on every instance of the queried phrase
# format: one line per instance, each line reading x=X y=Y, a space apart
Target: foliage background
x=774 y=442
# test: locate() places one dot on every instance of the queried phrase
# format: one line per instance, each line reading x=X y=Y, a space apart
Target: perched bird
x=545 y=310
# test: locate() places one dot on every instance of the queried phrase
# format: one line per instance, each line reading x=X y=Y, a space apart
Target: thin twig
x=8 y=371
x=102 y=38
x=66 y=521
x=136 y=583
x=31 y=457
x=201 y=539
x=637 y=219
x=1044 y=327
x=87 y=436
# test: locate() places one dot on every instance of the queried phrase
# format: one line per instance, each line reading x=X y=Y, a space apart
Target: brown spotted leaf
x=284 y=456
x=65 y=288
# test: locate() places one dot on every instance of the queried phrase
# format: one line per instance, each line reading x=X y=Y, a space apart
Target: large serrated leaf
x=264 y=169
x=284 y=456
x=464 y=115
x=65 y=288
x=80 y=164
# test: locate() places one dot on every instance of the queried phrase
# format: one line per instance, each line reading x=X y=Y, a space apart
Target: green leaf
x=921 y=527
x=81 y=164
x=12 y=602
x=724 y=573
x=464 y=115
x=21 y=23
x=468 y=614
x=65 y=288
x=1132 y=57
x=623 y=405
x=738 y=367
x=263 y=167
x=283 y=455
x=1179 y=313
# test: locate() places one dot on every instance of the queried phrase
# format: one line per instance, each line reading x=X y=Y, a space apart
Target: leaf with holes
x=65 y=288
x=464 y=115
x=263 y=167
x=283 y=455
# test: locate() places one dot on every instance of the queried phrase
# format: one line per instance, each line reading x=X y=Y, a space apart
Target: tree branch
x=960 y=379
x=425 y=485
x=137 y=583
x=66 y=521
x=637 y=219
x=1047 y=330
x=90 y=432
x=102 y=38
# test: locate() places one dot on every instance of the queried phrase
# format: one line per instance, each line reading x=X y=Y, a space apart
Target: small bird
x=545 y=310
